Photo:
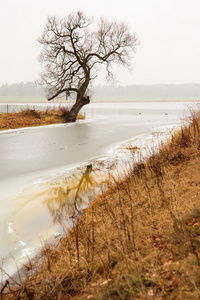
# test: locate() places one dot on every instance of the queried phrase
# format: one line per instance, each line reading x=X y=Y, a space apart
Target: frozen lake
x=31 y=160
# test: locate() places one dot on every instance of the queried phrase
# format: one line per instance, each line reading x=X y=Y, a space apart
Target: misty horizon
x=190 y=90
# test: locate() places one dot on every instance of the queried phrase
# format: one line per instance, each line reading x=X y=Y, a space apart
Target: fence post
x=7 y=108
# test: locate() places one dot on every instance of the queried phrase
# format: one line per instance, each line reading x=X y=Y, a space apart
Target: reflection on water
x=68 y=196
x=54 y=204
x=65 y=200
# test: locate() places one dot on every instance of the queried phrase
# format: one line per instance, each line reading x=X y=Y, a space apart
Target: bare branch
x=73 y=49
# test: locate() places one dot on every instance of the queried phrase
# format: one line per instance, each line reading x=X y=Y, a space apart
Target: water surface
x=42 y=168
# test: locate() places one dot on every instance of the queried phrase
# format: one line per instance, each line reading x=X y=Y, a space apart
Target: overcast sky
x=168 y=30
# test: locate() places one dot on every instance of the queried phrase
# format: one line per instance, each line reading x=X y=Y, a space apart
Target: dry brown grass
x=31 y=117
x=138 y=240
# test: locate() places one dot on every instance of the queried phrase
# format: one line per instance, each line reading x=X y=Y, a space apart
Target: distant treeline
x=21 y=90
x=156 y=90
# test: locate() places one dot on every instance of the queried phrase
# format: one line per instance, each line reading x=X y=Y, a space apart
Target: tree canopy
x=73 y=50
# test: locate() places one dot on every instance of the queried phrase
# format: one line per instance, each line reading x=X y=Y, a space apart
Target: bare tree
x=74 y=47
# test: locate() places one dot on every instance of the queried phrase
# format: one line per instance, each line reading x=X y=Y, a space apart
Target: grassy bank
x=138 y=240
x=32 y=117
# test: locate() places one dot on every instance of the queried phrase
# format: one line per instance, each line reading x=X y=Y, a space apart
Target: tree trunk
x=80 y=100
x=72 y=114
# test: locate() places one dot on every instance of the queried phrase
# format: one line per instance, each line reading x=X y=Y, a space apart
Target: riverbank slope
x=140 y=239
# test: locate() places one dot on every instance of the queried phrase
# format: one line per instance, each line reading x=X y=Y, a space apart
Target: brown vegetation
x=32 y=117
x=139 y=240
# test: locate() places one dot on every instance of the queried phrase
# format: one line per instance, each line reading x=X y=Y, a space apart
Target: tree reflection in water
x=68 y=199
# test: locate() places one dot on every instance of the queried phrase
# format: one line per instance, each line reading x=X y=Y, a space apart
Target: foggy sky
x=168 y=31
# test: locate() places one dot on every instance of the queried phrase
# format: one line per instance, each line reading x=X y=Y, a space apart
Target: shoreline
x=146 y=206
x=98 y=257
x=120 y=153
